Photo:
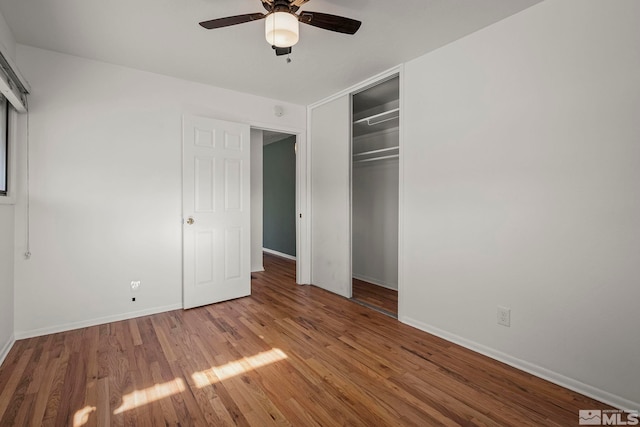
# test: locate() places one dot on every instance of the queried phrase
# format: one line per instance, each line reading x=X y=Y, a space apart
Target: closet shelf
x=359 y=133
x=372 y=120
x=382 y=150
x=373 y=159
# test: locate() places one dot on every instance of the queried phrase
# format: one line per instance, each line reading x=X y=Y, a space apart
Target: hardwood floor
x=287 y=355
x=376 y=296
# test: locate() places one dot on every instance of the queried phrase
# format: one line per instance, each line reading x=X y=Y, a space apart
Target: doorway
x=273 y=186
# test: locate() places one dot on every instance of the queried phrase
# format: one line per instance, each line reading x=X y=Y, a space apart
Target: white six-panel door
x=216 y=211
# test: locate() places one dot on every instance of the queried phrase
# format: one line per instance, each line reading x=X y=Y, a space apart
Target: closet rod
x=364 y=153
x=375 y=116
x=393 y=156
x=382 y=121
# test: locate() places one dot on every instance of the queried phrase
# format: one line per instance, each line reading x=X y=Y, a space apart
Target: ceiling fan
x=281 y=27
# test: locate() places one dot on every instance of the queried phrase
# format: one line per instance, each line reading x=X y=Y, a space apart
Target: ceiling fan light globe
x=281 y=29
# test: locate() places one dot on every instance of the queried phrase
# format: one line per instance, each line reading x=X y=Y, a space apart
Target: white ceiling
x=162 y=36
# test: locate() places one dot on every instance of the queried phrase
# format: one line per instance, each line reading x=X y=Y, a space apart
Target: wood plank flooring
x=376 y=296
x=287 y=355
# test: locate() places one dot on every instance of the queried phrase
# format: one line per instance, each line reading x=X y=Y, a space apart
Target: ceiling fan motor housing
x=281 y=6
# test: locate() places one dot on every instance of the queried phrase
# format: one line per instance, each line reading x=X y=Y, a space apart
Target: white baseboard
x=280 y=254
x=375 y=282
x=93 y=322
x=546 y=374
x=7 y=348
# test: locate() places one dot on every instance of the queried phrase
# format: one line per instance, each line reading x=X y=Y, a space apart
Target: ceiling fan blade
x=295 y=4
x=267 y=4
x=325 y=21
x=231 y=20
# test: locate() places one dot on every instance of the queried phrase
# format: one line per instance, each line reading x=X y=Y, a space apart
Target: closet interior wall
x=375 y=183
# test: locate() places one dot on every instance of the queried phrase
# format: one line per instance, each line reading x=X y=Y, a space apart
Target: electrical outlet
x=504 y=316
x=135 y=285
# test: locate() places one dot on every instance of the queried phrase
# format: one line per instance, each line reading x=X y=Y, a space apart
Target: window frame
x=9 y=197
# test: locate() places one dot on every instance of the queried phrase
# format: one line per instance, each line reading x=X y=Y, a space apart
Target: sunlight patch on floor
x=202 y=379
x=237 y=367
x=138 y=398
x=81 y=417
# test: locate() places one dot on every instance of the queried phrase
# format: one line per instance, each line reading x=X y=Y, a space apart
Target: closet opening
x=375 y=149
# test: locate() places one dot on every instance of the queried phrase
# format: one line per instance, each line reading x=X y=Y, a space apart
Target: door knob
x=190 y=220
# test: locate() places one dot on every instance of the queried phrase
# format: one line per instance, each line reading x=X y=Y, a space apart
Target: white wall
x=7 y=42
x=256 y=200
x=106 y=187
x=522 y=164
x=6 y=278
x=7 y=213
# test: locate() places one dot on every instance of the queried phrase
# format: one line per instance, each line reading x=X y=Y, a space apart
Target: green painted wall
x=279 y=196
